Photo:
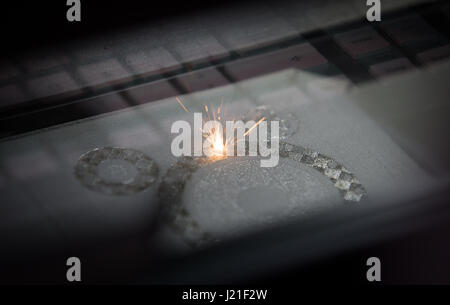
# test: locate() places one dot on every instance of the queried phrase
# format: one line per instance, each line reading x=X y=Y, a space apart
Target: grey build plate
x=41 y=196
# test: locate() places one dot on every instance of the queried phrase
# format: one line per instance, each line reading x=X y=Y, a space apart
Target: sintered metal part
x=116 y=171
x=349 y=186
x=173 y=183
x=170 y=193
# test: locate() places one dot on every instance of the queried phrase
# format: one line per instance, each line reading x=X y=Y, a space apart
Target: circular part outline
x=171 y=188
x=86 y=170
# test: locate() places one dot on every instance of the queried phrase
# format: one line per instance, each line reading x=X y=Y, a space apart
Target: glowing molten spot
x=216 y=145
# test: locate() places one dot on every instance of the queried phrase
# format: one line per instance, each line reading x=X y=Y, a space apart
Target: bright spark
x=217 y=144
x=181 y=104
x=254 y=126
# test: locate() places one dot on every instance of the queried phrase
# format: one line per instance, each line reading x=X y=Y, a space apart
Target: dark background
x=27 y=24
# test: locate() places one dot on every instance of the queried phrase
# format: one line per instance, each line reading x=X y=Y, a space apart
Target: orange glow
x=217 y=144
